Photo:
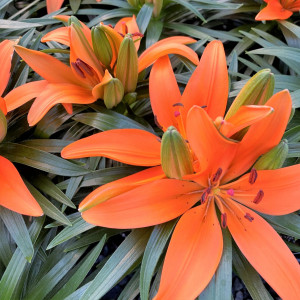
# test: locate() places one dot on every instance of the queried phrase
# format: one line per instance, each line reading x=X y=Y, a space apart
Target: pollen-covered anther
x=205 y=195
x=137 y=34
x=259 y=196
x=217 y=175
x=85 y=67
x=252 y=176
x=248 y=217
x=230 y=192
x=178 y=104
x=224 y=220
x=77 y=69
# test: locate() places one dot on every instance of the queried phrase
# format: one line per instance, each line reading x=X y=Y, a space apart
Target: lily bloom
x=54 y=5
x=14 y=194
x=278 y=10
x=83 y=82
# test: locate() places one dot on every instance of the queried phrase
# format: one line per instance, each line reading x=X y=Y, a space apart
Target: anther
x=217 y=175
x=248 y=217
x=259 y=196
x=137 y=34
x=252 y=176
x=230 y=192
x=178 y=104
x=205 y=195
x=77 y=69
x=109 y=25
x=84 y=66
x=224 y=220
x=203 y=106
x=176 y=113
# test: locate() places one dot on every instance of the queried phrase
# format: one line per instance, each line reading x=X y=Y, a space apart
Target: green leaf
x=17 y=228
x=154 y=31
x=292 y=135
x=12 y=25
x=144 y=16
x=131 y=289
x=191 y=8
x=75 y=4
x=81 y=273
x=118 y=264
x=5 y=245
x=294 y=150
x=40 y=160
x=47 y=145
x=155 y=247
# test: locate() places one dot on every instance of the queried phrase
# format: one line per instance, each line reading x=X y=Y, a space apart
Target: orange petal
x=54 y=94
x=117 y=187
x=130 y=146
x=273 y=11
x=53 y=5
x=262 y=136
x=47 y=66
x=164 y=92
x=6 y=52
x=245 y=116
x=24 y=93
x=193 y=255
x=60 y=35
x=150 y=204
x=280 y=188
x=294 y=5
x=211 y=148
x=157 y=51
x=208 y=85
x=266 y=252
x=3 y=106
x=68 y=107
x=14 y=194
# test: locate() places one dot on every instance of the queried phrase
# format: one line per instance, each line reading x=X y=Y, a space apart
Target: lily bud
x=256 y=91
x=130 y=98
x=3 y=126
x=273 y=159
x=127 y=64
x=113 y=93
x=101 y=46
x=176 y=159
x=74 y=20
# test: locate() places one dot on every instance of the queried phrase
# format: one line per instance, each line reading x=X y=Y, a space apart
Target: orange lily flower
x=14 y=194
x=54 y=5
x=83 y=81
x=278 y=10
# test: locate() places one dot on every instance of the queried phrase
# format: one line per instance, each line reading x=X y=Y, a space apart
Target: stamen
x=259 y=196
x=252 y=176
x=230 y=192
x=205 y=195
x=176 y=113
x=203 y=106
x=178 y=104
x=84 y=66
x=248 y=217
x=217 y=176
x=109 y=25
x=137 y=34
x=77 y=69
x=121 y=34
x=224 y=220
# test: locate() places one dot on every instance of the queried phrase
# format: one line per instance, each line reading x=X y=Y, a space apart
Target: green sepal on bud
x=176 y=158
x=3 y=126
x=256 y=91
x=130 y=98
x=127 y=64
x=274 y=159
x=101 y=46
x=75 y=21
x=113 y=93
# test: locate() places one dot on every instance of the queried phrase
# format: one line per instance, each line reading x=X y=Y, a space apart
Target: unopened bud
x=75 y=21
x=273 y=159
x=176 y=159
x=130 y=98
x=101 y=46
x=256 y=91
x=3 y=126
x=127 y=65
x=113 y=93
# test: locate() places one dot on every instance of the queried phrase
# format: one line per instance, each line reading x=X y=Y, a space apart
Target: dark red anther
x=178 y=104
x=109 y=25
x=259 y=196
x=217 y=176
x=224 y=220
x=252 y=176
x=248 y=217
x=121 y=34
x=77 y=69
x=84 y=66
x=176 y=113
x=137 y=34
x=205 y=195
x=203 y=106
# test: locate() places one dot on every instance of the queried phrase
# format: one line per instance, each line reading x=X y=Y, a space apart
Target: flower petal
x=245 y=116
x=14 y=194
x=54 y=94
x=47 y=66
x=117 y=187
x=3 y=106
x=210 y=147
x=262 y=136
x=164 y=92
x=266 y=252
x=60 y=35
x=280 y=188
x=150 y=204
x=6 y=52
x=24 y=93
x=130 y=146
x=157 y=51
x=193 y=255
x=209 y=83
x=53 y=5
x=273 y=11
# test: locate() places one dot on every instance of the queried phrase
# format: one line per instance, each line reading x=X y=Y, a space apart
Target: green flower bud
x=130 y=98
x=101 y=46
x=127 y=65
x=113 y=93
x=256 y=91
x=176 y=158
x=3 y=126
x=273 y=159
x=75 y=21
